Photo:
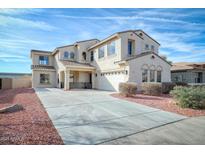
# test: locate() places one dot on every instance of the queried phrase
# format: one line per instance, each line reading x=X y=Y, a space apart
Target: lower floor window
x=144 y=75
x=152 y=75
x=159 y=76
x=44 y=78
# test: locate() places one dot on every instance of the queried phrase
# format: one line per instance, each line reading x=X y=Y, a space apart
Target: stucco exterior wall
x=68 y=49
x=35 y=58
x=82 y=47
x=149 y=41
x=124 y=44
x=36 y=79
x=84 y=77
x=107 y=62
x=135 y=68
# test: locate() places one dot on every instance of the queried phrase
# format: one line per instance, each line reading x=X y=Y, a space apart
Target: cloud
x=20 y=11
x=3 y=55
x=6 y=57
x=13 y=21
x=191 y=57
x=154 y=19
x=161 y=13
x=18 y=43
x=176 y=41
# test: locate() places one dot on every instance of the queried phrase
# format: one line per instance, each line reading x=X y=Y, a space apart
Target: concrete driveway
x=95 y=117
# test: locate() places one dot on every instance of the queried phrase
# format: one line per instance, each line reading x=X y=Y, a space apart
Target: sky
x=181 y=32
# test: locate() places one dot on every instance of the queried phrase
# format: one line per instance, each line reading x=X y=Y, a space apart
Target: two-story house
x=128 y=56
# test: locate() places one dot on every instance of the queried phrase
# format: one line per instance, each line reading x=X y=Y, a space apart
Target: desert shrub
x=128 y=88
x=167 y=87
x=181 y=83
x=189 y=97
x=152 y=88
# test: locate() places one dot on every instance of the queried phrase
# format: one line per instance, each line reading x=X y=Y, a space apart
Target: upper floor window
x=111 y=48
x=91 y=56
x=43 y=60
x=68 y=55
x=84 y=55
x=152 y=47
x=130 y=47
x=72 y=55
x=101 y=52
x=146 y=46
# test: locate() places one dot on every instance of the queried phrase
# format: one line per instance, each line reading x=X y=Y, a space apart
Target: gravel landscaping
x=164 y=102
x=29 y=126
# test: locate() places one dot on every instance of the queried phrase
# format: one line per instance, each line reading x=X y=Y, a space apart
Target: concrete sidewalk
x=189 y=131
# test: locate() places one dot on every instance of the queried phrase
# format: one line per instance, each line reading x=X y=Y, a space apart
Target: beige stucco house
x=128 y=56
x=189 y=72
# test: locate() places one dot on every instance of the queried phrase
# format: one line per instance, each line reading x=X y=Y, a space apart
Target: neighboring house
x=128 y=56
x=15 y=80
x=191 y=73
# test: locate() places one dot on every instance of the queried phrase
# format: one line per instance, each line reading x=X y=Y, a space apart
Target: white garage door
x=110 y=81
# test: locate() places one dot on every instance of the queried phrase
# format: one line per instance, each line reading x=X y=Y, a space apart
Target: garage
x=110 y=80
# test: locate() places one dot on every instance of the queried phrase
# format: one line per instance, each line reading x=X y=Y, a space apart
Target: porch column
x=93 y=80
x=59 y=77
x=67 y=80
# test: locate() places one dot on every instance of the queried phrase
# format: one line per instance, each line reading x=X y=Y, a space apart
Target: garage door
x=110 y=81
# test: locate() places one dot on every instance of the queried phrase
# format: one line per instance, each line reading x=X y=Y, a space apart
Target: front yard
x=164 y=102
x=29 y=126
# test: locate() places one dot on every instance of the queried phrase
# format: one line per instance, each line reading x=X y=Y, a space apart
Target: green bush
x=167 y=87
x=152 y=88
x=189 y=97
x=181 y=83
x=128 y=88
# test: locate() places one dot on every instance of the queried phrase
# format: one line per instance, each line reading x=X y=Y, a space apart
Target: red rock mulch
x=30 y=126
x=164 y=102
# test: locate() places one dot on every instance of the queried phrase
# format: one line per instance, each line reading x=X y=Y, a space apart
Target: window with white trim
x=101 y=52
x=152 y=47
x=68 y=55
x=159 y=76
x=146 y=46
x=43 y=60
x=111 y=48
x=145 y=75
x=91 y=56
x=44 y=78
x=152 y=75
x=65 y=55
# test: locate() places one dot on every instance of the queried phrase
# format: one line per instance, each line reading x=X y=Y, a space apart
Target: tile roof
x=45 y=67
x=187 y=66
x=74 y=63
x=41 y=51
x=143 y=54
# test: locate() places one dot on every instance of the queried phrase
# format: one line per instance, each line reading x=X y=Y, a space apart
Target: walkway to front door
x=95 y=117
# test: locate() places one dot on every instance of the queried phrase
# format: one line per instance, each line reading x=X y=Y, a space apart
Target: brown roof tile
x=187 y=66
x=42 y=67
x=74 y=63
